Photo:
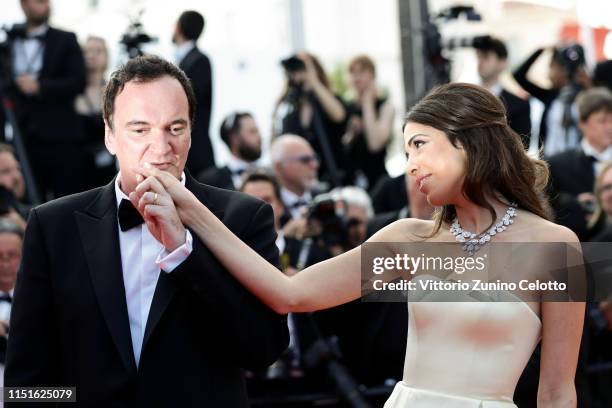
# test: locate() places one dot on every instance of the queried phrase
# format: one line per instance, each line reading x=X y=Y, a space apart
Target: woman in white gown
x=471 y=166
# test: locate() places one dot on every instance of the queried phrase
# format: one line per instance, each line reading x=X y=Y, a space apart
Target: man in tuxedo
x=241 y=135
x=574 y=170
x=133 y=314
x=492 y=61
x=47 y=73
x=295 y=164
x=196 y=65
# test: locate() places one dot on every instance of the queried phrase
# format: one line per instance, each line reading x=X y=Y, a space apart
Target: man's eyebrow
x=413 y=136
x=136 y=123
x=179 y=122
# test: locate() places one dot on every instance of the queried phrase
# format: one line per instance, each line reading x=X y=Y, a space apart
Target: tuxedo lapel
x=189 y=59
x=100 y=237
x=166 y=287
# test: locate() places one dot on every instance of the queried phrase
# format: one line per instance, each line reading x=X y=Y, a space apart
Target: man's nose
x=161 y=141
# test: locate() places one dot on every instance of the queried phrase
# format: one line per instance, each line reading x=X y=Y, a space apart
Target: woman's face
x=437 y=166
x=605 y=192
x=361 y=79
x=96 y=57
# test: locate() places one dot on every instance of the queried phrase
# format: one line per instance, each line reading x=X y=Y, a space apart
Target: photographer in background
x=492 y=57
x=47 y=73
x=197 y=66
x=308 y=108
x=369 y=126
x=567 y=75
x=573 y=172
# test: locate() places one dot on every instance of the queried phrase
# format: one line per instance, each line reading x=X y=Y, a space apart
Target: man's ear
x=109 y=138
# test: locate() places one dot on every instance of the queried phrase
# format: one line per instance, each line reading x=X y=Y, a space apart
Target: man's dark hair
x=593 y=100
x=191 y=24
x=231 y=124
x=492 y=45
x=261 y=175
x=602 y=75
x=146 y=68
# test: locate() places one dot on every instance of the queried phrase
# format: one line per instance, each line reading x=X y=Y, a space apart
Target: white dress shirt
x=142 y=257
x=28 y=53
x=290 y=199
x=601 y=158
x=237 y=167
x=181 y=51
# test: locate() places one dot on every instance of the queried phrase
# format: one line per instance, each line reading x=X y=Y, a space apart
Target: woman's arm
x=326 y=284
x=331 y=105
x=561 y=334
x=377 y=130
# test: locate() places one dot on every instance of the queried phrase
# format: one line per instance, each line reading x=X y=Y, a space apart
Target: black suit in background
x=197 y=67
x=572 y=172
x=218 y=177
x=48 y=121
x=69 y=323
x=519 y=115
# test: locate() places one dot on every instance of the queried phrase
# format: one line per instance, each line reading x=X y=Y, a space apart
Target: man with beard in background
x=241 y=135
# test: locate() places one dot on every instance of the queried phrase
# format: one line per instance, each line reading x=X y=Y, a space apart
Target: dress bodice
x=471 y=349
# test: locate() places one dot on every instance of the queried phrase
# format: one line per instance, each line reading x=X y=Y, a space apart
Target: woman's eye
x=418 y=143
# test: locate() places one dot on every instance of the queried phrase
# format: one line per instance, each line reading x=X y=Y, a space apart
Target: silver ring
x=155 y=199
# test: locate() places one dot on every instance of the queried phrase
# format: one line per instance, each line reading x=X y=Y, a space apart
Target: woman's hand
x=312 y=78
x=184 y=200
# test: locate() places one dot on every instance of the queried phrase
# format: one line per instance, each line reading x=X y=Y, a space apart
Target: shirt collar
x=289 y=197
x=120 y=195
x=182 y=50
x=236 y=164
x=589 y=150
x=38 y=32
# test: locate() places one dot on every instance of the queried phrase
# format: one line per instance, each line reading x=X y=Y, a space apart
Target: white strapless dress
x=465 y=354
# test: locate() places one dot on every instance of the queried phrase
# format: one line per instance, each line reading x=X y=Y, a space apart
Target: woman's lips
x=421 y=182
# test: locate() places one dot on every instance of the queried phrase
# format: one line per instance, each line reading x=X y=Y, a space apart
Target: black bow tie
x=299 y=203
x=5 y=297
x=129 y=217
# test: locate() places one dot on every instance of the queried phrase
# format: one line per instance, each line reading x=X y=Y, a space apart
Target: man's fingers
x=166 y=179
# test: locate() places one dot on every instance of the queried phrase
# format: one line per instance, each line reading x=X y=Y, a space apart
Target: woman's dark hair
x=474 y=119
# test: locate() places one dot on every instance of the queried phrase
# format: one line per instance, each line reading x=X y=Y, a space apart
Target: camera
x=327 y=216
x=571 y=57
x=293 y=64
x=135 y=37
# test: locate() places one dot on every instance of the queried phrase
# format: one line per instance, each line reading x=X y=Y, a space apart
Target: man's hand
x=28 y=84
x=157 y=208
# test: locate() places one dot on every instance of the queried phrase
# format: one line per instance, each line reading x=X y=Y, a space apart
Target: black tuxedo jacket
x=519 y=115
x=571 y=172
x=197 y=67
x=69 y=323
x=50 y=115
x=219 y=177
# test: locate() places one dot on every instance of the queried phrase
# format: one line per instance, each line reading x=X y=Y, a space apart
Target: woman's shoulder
x=404 y=230
x=538 y=229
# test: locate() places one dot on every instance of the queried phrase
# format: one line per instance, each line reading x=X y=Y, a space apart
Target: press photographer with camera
x=309 y=108
x=44 y=74
x=567 y=75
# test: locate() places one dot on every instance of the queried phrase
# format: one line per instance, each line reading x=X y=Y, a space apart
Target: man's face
x=489 y=65
x=150 y=124
x=10 y=175
x=36 y=11
x=10 y=256
x=248 y=140
x=597 y=129
x=264 y=191
x=299 y=166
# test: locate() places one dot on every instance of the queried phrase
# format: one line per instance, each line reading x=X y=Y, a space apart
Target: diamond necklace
x=471 y=242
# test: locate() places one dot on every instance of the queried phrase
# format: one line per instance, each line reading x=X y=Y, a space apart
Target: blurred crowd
x=327 y=181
